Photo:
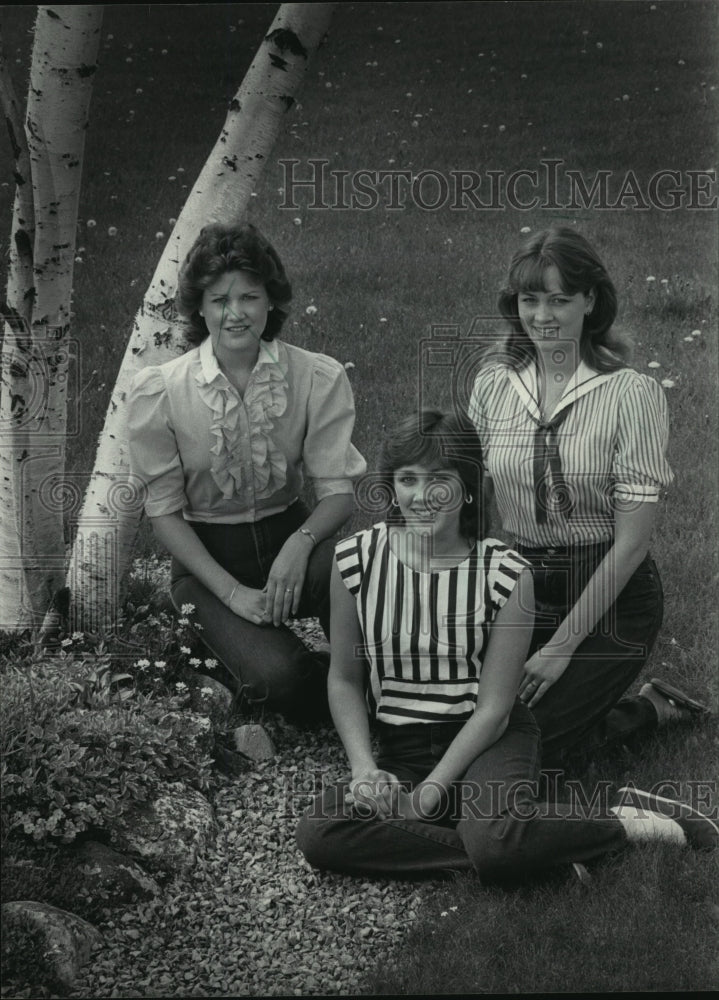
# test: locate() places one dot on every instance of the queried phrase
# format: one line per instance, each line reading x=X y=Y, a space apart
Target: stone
x=46 y=944
x=210 y=697
x=254 y=742
x=168 y=834
x=110 y=878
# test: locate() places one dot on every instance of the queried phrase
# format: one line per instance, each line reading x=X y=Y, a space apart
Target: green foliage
x=77 y=750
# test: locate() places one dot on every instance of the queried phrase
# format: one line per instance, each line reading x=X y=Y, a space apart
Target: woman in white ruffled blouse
x=223 y=438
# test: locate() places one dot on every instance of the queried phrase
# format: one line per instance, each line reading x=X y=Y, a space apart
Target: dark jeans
x=493 y=822
x=269 y=664
x=584 y=710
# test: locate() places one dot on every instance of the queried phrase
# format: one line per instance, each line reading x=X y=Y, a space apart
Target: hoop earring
x=469 y=498
x=393 y=502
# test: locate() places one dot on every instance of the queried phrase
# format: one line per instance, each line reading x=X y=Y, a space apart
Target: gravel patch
x=253 y=919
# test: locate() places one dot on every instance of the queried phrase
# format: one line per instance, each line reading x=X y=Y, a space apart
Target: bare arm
x=502 y=668
x=632 y=532
x=371 y=787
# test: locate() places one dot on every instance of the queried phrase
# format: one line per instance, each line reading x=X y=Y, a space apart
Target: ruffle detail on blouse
x=265 y=400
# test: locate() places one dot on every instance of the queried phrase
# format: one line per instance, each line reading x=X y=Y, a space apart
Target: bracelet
x=310 y=534
x=228 y=602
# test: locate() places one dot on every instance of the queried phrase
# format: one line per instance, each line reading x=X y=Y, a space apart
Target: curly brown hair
x=219 y=249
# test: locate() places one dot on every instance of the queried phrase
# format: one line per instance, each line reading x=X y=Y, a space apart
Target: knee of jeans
x=317 y=834
x=495 y=845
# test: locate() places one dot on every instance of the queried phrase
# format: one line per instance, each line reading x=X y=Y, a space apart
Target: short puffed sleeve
x=154 y=457
x=348 y=553
x=502 y=567
x=330 y=459
x=640 y=468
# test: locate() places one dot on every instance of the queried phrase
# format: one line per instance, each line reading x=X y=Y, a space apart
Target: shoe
x=671 y=704
x=701 y=832
x=581 y=873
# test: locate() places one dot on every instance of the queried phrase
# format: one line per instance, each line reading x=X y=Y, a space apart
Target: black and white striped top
x=611 y=446
x=424 y=632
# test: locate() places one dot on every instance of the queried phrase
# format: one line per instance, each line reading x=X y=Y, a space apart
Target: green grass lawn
x=614 y=86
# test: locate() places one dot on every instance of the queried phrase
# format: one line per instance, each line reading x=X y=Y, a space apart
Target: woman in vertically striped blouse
x=574 y=443
x=438 y=620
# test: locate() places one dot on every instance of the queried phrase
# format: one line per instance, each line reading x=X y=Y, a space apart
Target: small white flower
x=651 y=278
x=453 y=909
x=349 y=365
x=180 y=687
x=668 y=383
x=210 y=664
x=207 y=692
x=187 y=609
x=689 y=339
x=664 y=281
x=142 y=664
x=160 y=663
x=195 y=662
x=186 y=650
x=526 y=229
x=159 y=235
x=112 y=231
x=696 y=333
x=78 y=260
x=625 y=97
x=66 y=642
x=383 y=319
x=444 y=913
x=172 y=221
x=654 y=364
x=90 y=223
x=297 y=222
x=680 y=62
x=502 y=128
x=600 y=45
x=78 y=636
x=311 y=310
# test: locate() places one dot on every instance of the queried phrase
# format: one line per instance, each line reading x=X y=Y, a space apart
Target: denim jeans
x=492 y=823
x=584 y=710
x=269 y=665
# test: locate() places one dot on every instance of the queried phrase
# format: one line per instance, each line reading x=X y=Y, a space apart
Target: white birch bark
x=36 y=350
x=113 y=503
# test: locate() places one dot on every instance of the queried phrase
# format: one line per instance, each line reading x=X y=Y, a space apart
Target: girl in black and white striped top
x=430 y=627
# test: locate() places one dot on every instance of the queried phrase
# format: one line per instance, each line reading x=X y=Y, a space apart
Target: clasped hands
x=280 y=597
x=379 y=794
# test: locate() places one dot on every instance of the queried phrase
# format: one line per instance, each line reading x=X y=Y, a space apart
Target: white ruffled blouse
x=201 y=448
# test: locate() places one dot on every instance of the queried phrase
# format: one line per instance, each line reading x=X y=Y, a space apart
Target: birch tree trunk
x=113 y=503
x=36 y=348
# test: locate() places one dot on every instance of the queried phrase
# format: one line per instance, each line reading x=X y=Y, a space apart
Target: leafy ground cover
x=457 y=86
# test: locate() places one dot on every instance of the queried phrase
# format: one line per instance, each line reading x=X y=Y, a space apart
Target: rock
x=167 y=834
x=45 y=943
x=109 y=878
x=210 y=697
x=254 y=742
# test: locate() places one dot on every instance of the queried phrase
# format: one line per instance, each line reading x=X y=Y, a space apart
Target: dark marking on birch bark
x=234 y=105
x=287 y=41
x=83 y=71
x=287 y=101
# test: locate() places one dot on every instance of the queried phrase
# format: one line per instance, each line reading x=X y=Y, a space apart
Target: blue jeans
x=492 y=822
x=584 y=710
x=270 y=665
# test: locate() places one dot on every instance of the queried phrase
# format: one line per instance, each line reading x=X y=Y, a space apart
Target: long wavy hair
x=434 y=438
x=580 y=270
x=219 y=249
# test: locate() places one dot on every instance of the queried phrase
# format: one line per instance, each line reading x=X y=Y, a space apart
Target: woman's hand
x=248 y=604
x=375 y=793
x=283 y=590
x=542 y=670
x=420 y=804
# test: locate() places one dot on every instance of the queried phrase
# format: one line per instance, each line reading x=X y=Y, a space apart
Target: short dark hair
x=219 y=249
x=580 y=270
x=432 y=437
